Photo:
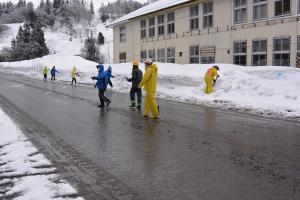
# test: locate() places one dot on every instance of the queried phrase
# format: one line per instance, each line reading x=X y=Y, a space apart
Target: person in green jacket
x=45 y=72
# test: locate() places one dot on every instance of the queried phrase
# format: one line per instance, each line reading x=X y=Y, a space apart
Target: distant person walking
x=53 y=73
x=136 y=78
x=109 y=75
x=45 y=72
x=149 y=83
x=74 y=73
x=101 y=85
x=210 y=79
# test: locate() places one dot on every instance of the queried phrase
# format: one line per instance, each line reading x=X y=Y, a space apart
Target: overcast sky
x=97 y=3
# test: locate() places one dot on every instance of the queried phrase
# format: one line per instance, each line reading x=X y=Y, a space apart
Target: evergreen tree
x=89 y=49
x=92 y=8
x=48 y=7
x=38 y=36
x=104 y=17
x=56 y=4
x=42 y=4
x=100 y=39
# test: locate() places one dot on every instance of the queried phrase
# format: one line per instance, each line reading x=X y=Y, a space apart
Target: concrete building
x=244 y=32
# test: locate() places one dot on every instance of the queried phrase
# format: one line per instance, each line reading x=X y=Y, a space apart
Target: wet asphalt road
x=190 y=152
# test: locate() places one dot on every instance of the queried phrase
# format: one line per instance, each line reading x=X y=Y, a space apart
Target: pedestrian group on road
x=148 y=82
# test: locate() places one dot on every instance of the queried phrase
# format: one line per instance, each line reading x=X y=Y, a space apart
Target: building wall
x=221 y=36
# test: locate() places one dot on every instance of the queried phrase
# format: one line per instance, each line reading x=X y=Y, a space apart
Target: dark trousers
x=137 y=91
x=103 y=98
x=73 y=80
x=45 y=77
x=52 y=78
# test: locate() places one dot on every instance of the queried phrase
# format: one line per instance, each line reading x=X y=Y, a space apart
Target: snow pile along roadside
x=266 y=90
x=24 y=172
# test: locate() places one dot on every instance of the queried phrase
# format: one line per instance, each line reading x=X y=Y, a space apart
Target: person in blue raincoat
x=53 y=73
x=109 y=75
x=101 y=85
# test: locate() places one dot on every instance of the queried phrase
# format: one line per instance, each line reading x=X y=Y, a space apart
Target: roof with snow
x=150 y=8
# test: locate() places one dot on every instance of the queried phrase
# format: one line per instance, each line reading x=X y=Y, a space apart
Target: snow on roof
x=158 y=5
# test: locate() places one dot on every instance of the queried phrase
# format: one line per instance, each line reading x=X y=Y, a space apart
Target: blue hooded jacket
x=101 y=83
x=53 y=71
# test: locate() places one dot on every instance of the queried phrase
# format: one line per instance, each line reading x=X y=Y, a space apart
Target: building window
x=259 y=52
x=171 y=55
x=298 y=52
x=152 y=27
x=298 y=6
x=208 y=55
x=194 y=17
x=282 y=7
x=122 y=57
x=161 y=55
x=208 y=14
x=240 y=11
x=194 y=54
x=143 y=29
x=152 y=54
x=123 y=34
x=143 y=55
x=161 y=24
x=260 y=9
x=298 y=43
x=171 y=23
x=281 y=51
x=240 y=53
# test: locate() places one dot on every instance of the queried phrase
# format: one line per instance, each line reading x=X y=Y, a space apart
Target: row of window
x=260 y=12
x=281 y=52
x=161 y=56
x=260 y=9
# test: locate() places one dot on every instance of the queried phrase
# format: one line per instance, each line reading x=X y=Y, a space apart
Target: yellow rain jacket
x=209 y=79
x=74 y=72
x=149 y=83
x=45 y=70
x=149 y=80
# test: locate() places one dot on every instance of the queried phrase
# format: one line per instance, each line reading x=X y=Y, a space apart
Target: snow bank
x=266 y=90
x=24 y=172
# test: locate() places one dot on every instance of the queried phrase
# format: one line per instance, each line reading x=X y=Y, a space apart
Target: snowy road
x=191 y=152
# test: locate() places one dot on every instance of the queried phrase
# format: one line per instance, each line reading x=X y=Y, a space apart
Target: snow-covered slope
x=266 y=90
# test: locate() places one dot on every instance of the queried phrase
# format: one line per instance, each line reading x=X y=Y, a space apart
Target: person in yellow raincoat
x=210 y=77
x=149 y=83
x=45 y=72
x=74 y=73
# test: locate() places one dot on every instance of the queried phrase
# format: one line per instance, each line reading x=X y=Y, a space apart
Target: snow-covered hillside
x=265 y=90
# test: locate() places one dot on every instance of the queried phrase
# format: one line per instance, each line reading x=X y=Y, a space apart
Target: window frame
x=171 y=23
x=207 y=15
x=282 y=51
x=122 y=60
x=122 y=39
x=150 y=52
x=171 y=57
x=143 y=29
x=240 y=54
x=161 y=25
x=159 y=57
x=195 y=55
x=282 y=14
x=194 y=19
x=260 y=52
x=236 y=8
x=259 y=4
x=151 y=27
x=143 y=52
